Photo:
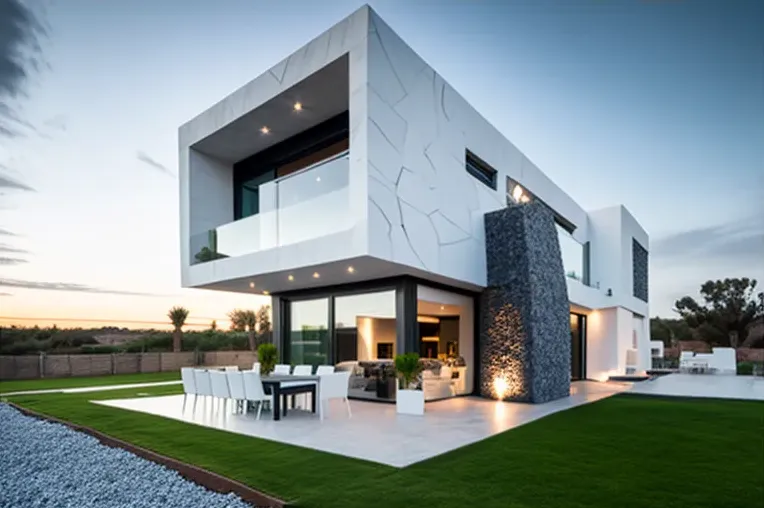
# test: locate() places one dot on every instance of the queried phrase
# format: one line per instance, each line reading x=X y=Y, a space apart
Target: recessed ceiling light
x=291 y=277
x=265 y=130
x=442 y=307
x=316 y=275
x=298 y=106
x=351 y=269
x=266 y=292
x=251 y=284
x=318 y=178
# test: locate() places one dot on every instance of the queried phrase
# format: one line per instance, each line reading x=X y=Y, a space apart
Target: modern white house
x=383 y=214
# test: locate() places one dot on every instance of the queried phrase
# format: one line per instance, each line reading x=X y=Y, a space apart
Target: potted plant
x=267 y=355
x=408 y=400
x=385 y=381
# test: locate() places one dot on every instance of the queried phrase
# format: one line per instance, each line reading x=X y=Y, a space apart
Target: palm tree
x=242 y=320
x=177 y=317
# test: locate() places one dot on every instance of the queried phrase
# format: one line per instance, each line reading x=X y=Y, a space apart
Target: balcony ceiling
x=322 y=95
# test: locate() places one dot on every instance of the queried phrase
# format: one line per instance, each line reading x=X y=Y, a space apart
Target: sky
x=654 y=104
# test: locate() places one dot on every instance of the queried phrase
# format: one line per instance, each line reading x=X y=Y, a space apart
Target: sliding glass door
x=309 y=332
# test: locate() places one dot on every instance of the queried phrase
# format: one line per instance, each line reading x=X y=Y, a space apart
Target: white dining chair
x=231 y=368
x=324 y=369
x=203 y=384
x=236 y=387
x=256 y=367
x=302 y=370
x=254 y=391
x=282 y=369
x=301 y=400
x=189 y=384
x=220 y=390
x=333 y=386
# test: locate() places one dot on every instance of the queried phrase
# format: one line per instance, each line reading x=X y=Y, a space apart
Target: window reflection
x=309 y=332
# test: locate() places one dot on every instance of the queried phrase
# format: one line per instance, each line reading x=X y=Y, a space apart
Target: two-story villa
x=383 y=214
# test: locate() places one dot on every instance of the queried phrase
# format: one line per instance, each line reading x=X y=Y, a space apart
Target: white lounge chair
x=231 y=368
x=189 y=384
x=256 y=367
x=302 y=370
x=220 y=390
x=333 y=386
x=254 y=391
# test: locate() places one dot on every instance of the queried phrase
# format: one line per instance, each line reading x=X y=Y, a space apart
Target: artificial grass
x=81 y=382
x=625 y=451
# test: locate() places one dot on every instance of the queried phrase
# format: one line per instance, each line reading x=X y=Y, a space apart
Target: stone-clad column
x=525 y=312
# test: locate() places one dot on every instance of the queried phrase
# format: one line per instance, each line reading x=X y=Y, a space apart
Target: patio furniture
x=256 y=367
x=236 y=386
x=282 y=369
x=301 y=370
x=284 y=385
x=203 y=383
x=437 y=386
x=333 y=386
x=324 y=369
x=220 y=390
x=724 y=360
x=189 y=384
x=254 y=391
x=231 y=368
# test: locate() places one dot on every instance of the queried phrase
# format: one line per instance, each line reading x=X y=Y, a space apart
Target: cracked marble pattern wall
x=525 y=314
x=425 y=210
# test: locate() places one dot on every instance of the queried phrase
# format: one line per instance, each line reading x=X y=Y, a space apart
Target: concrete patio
x=375 y=432
x=717 y=386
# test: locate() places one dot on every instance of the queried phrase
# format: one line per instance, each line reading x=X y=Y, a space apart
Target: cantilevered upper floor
x=352 y=159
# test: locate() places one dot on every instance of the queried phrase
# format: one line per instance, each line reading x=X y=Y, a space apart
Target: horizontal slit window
x=480 y=170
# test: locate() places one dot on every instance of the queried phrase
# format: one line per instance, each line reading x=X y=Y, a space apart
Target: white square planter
x=410 y=402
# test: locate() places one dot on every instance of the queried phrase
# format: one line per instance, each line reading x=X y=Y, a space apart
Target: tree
x=178 y=316
x=213 y=325
x=670 y=331
x=244 y=320
x=730 y=307
x=264 y=323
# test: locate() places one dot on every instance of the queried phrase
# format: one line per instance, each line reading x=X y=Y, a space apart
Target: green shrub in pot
x=267 y=355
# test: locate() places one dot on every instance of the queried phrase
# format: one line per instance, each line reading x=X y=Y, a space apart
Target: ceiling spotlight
x=265 y=130
x=291 y=277
x=298 y=106
x=266 y=292
x=251 y=284
x=316 y=275
x=442 y=307
x=351 y=269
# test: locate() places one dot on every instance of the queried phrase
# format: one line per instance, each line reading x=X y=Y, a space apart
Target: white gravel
x=47 y=465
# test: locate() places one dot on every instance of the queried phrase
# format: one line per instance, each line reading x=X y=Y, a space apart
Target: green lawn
x=625 y=451
x=81 y=382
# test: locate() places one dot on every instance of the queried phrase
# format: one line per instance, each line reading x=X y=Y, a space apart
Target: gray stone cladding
x=525 y=312
x=639 y=264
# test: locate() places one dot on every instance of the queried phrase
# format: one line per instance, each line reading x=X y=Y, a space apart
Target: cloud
x=11 y=250
x=9 y=183
x=5 y=232
x=66 y=286
x=5 y=294
x=11 y=261
x=154 y=164
x=20 y=57
x=737 y=241
x=58 y=122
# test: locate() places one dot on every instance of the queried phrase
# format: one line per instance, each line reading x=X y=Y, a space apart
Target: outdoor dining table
x=273 y=383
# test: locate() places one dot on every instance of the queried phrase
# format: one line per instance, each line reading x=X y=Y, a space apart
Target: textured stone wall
x=525 y=313
x=639 y=269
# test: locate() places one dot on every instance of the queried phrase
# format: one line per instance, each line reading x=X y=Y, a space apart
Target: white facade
x=400 y=203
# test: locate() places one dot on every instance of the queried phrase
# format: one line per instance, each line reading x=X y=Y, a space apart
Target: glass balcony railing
x=575 y=256
x=308 y=204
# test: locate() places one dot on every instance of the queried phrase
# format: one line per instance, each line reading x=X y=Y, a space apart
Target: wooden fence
x=52 y=366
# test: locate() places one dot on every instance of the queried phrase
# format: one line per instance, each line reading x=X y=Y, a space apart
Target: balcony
x=302 y=206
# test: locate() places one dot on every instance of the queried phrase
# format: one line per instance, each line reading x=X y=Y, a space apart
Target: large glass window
x=309 y=332
x=573 y=259
x=250 y=194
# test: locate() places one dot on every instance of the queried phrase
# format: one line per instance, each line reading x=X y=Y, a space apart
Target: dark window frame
x=480 y=170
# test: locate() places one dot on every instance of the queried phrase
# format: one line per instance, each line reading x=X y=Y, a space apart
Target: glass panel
x=249 y=193
x=302 y=206
x=366 y=337
x=314 y=202
x=572 y=255
x=445 y=342
x=309 y=332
